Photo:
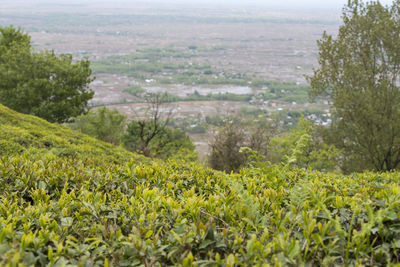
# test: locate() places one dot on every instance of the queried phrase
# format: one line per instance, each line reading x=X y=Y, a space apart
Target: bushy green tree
x=359 y=70
x=41 y=83
x=303 y=147
x=104 y=124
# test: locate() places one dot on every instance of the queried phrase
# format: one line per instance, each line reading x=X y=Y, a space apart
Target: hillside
x=60 y=210
x=20 y=132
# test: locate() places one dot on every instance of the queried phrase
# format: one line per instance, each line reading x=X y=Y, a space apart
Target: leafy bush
x=65 y=211
x=58 y=211
x=104 y=124
x=303 y=147
x=20 y=133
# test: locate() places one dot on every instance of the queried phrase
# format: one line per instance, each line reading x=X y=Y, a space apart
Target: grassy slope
x=20 y=132
x=71 y=210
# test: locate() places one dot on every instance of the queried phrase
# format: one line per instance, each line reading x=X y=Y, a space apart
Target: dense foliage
x=24 y=133
x=64 y=211
x=58 y=209
x=303 y=147
x=102 y=123
x=69 y=199
x=239 y=143
x=47 y=85
x=359 y=69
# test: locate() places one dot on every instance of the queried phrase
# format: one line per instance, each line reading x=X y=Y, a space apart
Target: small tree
x=303 y=147
x=359 y=70
x=42 y=84
x=142 y=131
x=226 y=149
x=104 y=124
x=150 y=136
x=170 y=143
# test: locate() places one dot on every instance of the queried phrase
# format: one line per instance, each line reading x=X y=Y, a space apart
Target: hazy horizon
x=274 y=3
x=309 y=4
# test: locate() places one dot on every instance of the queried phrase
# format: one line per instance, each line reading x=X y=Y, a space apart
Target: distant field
x=199 y=55
x=275 y=44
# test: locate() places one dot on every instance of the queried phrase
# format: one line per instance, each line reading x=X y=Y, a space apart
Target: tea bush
x=20 y=132
x=60 y=211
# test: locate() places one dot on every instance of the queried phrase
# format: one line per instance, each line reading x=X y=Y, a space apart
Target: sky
x=314 y=3
x=275 y=3
x=286 y=4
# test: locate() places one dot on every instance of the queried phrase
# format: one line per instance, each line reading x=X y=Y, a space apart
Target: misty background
x=267 y=3
x=184 y=47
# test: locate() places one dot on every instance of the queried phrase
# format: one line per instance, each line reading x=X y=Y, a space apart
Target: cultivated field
x=182 y=50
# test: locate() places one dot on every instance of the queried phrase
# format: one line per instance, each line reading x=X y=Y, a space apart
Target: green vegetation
x=244 y=141
x=206 y=77
x=225 y=149
x=44 y=84
x=135 y=90
x=57 y=210
x=155 y=139
x=28 y=134
x=154 y=53
x=145 y=63
x=359 y=70
x=144 y=67
x=205 y=48
x=134 y=69
x=160 y=66
x=303 y=147
x=165 y=66
x=67 y=199
x=149 y=136
x=286 y=91
x=209 y=97
x=164 y=69
x=103 y=124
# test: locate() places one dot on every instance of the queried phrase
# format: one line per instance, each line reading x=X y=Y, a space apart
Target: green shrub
x=58 y=211
x=23 y=132
x=102 y=123
x=67 y=211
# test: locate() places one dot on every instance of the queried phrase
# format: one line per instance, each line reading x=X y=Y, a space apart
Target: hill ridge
x=21 y=132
